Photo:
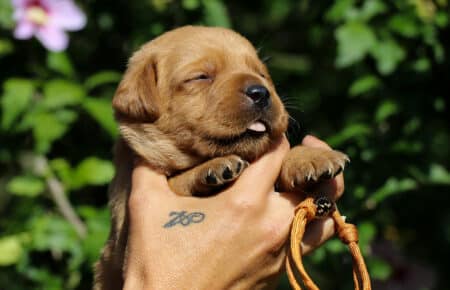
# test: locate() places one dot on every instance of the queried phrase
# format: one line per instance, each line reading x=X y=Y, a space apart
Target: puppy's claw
x=222 y=170
x=306 y=165
x=227 y=173
x=211 y=179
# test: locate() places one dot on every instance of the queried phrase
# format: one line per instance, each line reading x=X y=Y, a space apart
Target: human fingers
x=259 y=178
x=144 y=179
x=317 y=232
x=312 y=141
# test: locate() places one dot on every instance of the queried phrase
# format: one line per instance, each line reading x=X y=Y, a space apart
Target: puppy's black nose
x=259 y=94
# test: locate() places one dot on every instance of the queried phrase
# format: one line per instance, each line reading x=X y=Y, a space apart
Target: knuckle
x=242 y=204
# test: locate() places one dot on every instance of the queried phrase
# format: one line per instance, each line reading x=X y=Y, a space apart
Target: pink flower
x=47 y=20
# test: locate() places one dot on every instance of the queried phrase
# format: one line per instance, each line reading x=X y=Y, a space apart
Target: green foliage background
x=369 y=76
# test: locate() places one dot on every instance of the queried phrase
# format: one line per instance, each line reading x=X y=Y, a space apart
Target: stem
x=65 y=207
x=39 y=165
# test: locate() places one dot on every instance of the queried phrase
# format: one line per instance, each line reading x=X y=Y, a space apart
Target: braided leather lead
x=347 y=233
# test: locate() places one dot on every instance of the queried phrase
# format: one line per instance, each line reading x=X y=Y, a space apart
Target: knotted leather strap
x=305 y=212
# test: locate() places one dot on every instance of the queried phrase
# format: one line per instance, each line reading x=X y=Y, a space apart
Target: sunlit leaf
x=101 y=110
x=404 y=24
x=102 y=78
x=372 y=8
x=355 y=40
x=60 y=93
x=26 y=186
x=97 y=222
x=92 y=171
x=46 y=129
x=348 y=133
x=50 y=232
x=11 y=250
x=391 y=187
x=338 y=10
x=386 y=109
x=63 y=170
x=439 y=175
x=60 y=62
x=388 y=54
x=6 y=14
x=17 y=94
x=363 y=85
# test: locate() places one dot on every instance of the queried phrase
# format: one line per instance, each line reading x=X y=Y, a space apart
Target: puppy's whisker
x=266 y=59
x=294 y=132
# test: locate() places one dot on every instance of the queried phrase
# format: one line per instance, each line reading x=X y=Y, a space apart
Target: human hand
x=234 y=241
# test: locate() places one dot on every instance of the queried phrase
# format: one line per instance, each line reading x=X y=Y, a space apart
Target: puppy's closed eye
x=199 y=77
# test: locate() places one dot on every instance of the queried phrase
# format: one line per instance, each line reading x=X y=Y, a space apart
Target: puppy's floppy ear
x=136 y=98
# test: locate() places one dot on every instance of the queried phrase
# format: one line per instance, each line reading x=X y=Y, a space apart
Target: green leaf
x=372 y=8
x=60 y=93
x=216 y=13
x=388 y=55
x=386 y=109
x=98 y=224
x=101 y=110
x=366 y=233
x=404 y=24
x=379 y=269
x=339 y=10
x=6 y=47
x=352 y=131
x=6 y=15
x=30 y=186
x=60 y=62
x=63 y=170
x=391 y=187
x=335 y=246
x=190 y=4
x=278 y=11
x=46 y=129
x=51 y=232
x=354 y=40
x=11 y=249
x=102 y=78
x=364 y=85
x=439 y=175
x=421 y=65
x=92 y=171
x=17 y=95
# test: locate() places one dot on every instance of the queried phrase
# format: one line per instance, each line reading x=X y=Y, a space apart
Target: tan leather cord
x=305 y=212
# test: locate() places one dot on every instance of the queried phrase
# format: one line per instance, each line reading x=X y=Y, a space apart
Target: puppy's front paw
x=222 y=170
x=304 y=165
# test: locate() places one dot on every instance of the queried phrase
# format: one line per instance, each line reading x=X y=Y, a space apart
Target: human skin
x=240 y=243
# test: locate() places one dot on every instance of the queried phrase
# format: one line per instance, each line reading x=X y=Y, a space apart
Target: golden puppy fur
x=187 y=105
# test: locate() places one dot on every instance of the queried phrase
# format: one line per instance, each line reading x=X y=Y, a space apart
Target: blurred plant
x=369 y=75
x=47 y=20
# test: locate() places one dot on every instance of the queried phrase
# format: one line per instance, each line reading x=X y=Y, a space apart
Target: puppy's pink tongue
x=257 y=127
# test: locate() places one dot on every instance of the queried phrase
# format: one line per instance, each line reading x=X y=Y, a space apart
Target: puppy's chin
x=249 y=145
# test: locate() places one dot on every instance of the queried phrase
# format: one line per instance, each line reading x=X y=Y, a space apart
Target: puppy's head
x=206 y=89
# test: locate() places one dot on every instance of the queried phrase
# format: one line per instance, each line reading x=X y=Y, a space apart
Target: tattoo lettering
x=183 y=218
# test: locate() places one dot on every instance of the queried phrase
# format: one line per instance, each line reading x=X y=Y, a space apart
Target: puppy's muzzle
x=260 y=96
